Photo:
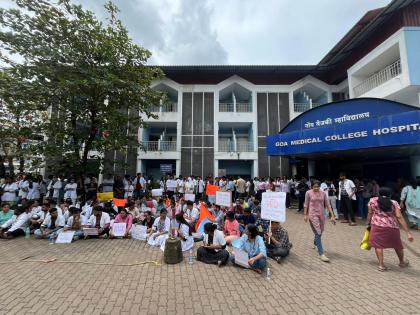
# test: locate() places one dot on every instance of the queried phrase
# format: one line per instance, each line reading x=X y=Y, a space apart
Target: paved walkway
x=302 y=284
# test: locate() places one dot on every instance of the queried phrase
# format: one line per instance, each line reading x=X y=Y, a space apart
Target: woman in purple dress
x=316 y=201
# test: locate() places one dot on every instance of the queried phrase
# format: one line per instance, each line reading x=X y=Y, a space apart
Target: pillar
x=294 y=170
x=415 y=165
x=178 y=168
x=311 y=168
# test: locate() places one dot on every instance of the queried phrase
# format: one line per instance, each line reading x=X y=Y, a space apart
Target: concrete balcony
x=235 y=107
x=154 y=146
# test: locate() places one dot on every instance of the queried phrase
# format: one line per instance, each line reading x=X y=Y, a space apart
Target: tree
x=90 y=77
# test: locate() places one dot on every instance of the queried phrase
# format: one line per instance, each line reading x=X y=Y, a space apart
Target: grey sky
x=238 y=31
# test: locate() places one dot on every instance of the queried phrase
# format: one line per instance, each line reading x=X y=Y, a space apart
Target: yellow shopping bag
x=364 y=244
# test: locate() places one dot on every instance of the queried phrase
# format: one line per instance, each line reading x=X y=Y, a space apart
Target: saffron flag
x=119 y=202
x=211 y=190
x=204 y=214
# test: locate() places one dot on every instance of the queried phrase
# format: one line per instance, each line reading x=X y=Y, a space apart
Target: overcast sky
x=238 y=31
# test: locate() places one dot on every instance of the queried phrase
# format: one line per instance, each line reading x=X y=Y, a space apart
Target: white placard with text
x=273 y=206
x=65 y=237
x=224 y=198
x=118 y=229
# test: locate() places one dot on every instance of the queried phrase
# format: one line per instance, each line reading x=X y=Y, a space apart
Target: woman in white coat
x=160 y=229
x=70 y=191
x=184 y=234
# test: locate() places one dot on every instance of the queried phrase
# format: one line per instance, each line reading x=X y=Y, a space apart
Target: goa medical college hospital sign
x=352 y=124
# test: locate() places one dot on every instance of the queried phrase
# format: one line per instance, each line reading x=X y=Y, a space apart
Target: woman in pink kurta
x=123 y=217
x=315 y=203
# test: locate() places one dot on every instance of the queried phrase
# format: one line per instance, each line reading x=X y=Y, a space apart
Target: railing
x=226 y=107
x=165 y=108
x=226 y=146
x=378 y=78
x=155 y=146
x=316 y=104
x=301 y=107
x=244 y=147
x=243 y=107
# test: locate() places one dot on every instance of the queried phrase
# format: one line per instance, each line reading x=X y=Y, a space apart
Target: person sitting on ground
x=123 y=217
x=76 y=222
x=16 y=225
x=279 y=245
x=184 y=233
x=262 y=224
x=213 y=250
x=110 y=209
x=231 y=228
x=253 y=244
x=159 y=230
x=36 y=220
x=160 y=205
x=247 y=217
x=134 y=211
x=148 y=220
x=6 y=214
x=237 y=208
x=191 y=213
x=51 y=225
x=100 y=220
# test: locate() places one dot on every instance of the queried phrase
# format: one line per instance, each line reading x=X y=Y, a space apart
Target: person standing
x=108 y=184
x=329 y=188
x=315 y=203
x=384 y=215
x=410 y=200
x=200 y=188
x=240 y=187
x=302 y=188
x=346 y=195
x=9 y=189
x=71 y=191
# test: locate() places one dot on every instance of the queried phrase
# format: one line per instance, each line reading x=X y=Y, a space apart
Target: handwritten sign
x=224 y=198
x=273 y=206
x=118 y=229
x=157 y=192
x=90 y=231
x=139 y=232
x=190 y=197
x=65 y=237
x=241 y=257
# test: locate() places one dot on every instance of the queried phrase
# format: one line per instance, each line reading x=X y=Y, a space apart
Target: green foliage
x=89 y=76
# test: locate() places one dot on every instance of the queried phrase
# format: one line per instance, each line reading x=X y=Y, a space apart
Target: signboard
x=166 y=168
x=139 y=232
x=90 y=231
x=190 y=197
x=157 y=192
x=348 y=131
x=273 y=206
x=118 y=229
x=224 y=198
x=65 y=237
x=241 y=257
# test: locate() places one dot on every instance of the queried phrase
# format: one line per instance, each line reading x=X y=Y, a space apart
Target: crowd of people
x=46 y=207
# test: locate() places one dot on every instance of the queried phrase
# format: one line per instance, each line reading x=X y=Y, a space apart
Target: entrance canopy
x=354 y=124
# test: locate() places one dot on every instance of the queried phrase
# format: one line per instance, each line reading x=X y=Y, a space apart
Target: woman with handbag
x=383 y=218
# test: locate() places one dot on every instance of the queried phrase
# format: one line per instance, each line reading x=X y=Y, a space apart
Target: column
x=294 y=170
x=178 y=168
x=311 y=168
x=415 y=165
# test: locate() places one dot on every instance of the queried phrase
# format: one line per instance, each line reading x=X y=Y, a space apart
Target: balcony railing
x=301 y=107
x=239 y=108
x=155 y=146
x=244 y=147
x=378 y=78
x=226 y=107
x=226 y=146
x=165 y=108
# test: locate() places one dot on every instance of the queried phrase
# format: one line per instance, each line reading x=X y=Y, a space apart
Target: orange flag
x=211 y=190
x=204 y=214
x=119 y=202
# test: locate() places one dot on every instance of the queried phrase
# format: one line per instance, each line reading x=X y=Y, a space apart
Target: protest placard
x=139 y=232
x=157 y=192
x=224 y=198
x=273 y=206
x=118 y=229
x=190 y=197
x=90 y=231
x=65 y=237
x=241 y=257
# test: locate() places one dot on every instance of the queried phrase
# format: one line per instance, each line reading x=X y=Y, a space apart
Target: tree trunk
x=2 y=167
x=11 y=166
x=21 y=164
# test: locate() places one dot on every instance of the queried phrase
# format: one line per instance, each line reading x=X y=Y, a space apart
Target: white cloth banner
x=139 y=232
x=190 y=197
x=273 y=206
x=224 y=198
x=118 y=229
x=65 y=237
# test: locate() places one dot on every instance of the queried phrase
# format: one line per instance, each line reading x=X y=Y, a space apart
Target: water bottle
x=268 y=274
x=51 y=239
x=190 y=257
x=27 y=232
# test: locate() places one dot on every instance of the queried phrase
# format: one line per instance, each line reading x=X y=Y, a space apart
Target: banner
x=273 y=206
x=139 y=232
x=118 y=229
x=107 y=196
x=65 y=237
x=224 y=198
x=157 y=192
x=190 y=197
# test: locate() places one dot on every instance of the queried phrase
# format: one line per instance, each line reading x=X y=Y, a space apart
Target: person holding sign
x=76 y=223
x=214 y=249
x=51 y=225
x=316 y=201
x=254 y=246
x=184 y=233
x=160 y=229
x=123 y=217
x=100 y=220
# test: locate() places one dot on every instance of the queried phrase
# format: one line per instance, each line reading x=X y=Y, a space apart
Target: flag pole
x=269 y=231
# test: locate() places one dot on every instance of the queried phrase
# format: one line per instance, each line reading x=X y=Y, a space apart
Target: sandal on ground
x=404 y=264
x=352 y=223
x=382 y=268
x=278 y=260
